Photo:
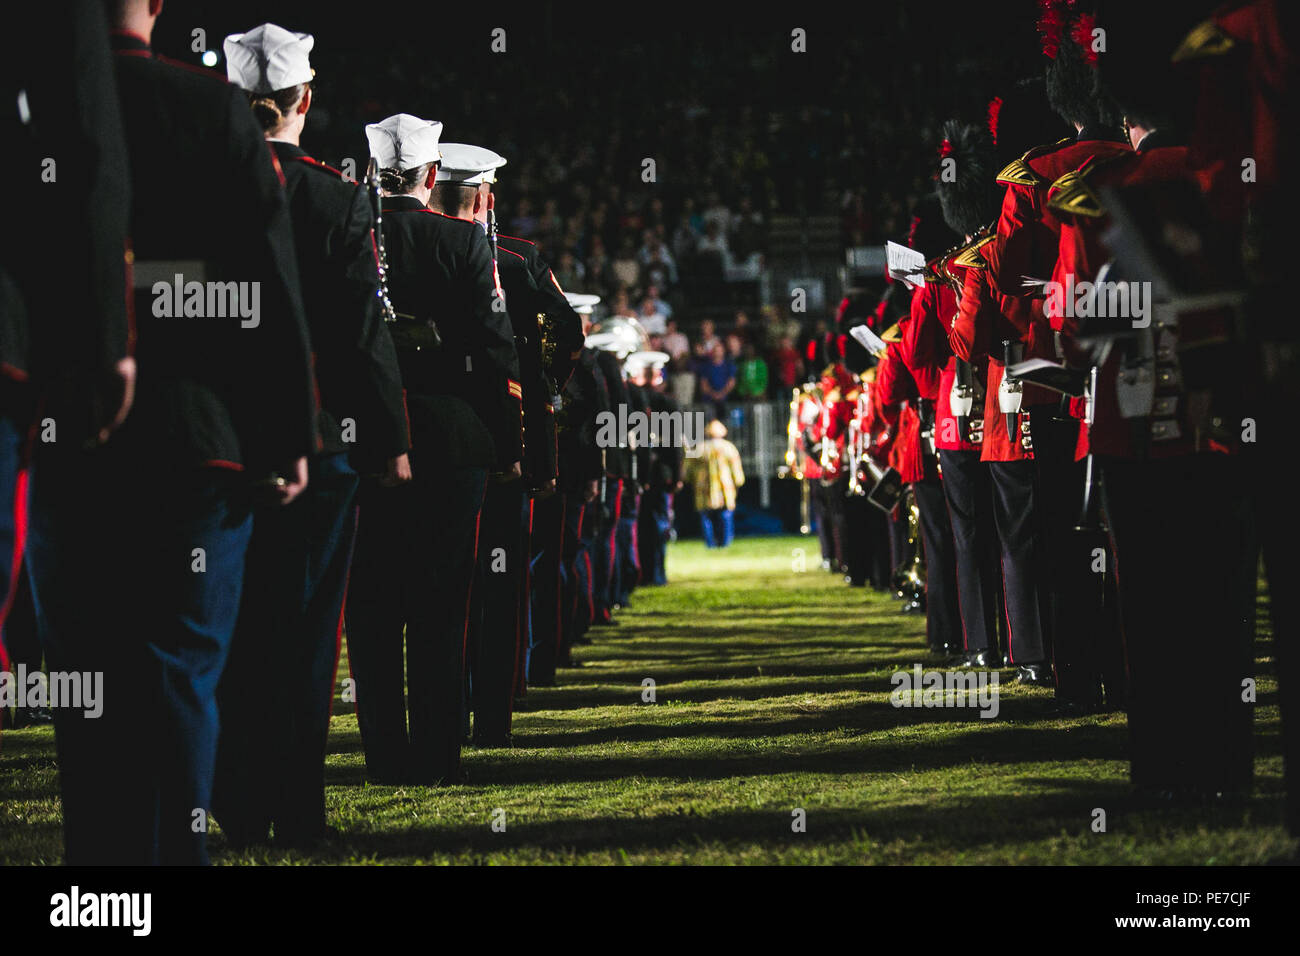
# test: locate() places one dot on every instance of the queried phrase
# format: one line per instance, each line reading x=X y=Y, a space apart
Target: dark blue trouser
x=718 y=525
x=576 y=607
x=410 y=588
x=967 y=489
x=604 y=549
x=627 y=573
x=549 y=515
x=494 y=610
x=942 y=616
x=1021 y=557
x=277 y=691
x=654 y=523
x=1185 y=558
x=137 y=573
x=1081 y=619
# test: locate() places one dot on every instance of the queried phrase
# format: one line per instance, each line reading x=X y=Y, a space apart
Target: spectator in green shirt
x=751 y=383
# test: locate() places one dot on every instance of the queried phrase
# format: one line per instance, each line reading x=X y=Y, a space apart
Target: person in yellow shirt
x=715 y=473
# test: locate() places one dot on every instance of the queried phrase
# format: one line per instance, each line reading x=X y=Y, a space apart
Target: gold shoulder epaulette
x=1072 y=196
x=1018 y=173
x=970 y=257
x=1205 y=39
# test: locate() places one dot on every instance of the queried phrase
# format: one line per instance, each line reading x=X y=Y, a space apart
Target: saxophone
x=909 y=577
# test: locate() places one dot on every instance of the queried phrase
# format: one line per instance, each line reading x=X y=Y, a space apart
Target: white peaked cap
x=404 y=141
x=268 y=58
x=468 y=165
x=582 y=304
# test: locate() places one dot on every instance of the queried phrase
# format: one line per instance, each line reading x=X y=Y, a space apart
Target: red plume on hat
x=995 y=110
x=1061 y=21
x=1052 y=18
x=1081 y=34
x=945 y=150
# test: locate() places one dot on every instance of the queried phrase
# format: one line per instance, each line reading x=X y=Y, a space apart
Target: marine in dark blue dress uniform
x=664 y=475
x=137 y=548
x=497 y=612
x=582 y=473
x=277 y=692
x=556 y=331
x=417 y=544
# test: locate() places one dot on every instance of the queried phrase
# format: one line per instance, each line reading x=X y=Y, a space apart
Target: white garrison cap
x=582 y=304
x=404 y=141
x=639 y=361
x=468 y=165
x=268 y=58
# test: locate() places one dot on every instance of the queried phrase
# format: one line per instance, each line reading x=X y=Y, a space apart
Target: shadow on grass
x=1055 y=809
x=851 y=753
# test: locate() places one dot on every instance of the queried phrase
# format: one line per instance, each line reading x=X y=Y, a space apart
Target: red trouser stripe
x=16 y=561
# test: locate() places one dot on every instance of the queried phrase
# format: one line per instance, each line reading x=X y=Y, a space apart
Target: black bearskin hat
x=1066 y=30
x=969 y=195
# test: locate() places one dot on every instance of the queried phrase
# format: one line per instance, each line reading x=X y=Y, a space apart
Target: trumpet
x=793 y=467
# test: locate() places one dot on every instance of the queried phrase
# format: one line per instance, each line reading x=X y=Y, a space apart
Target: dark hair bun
x=392 y=180
x=267 y=113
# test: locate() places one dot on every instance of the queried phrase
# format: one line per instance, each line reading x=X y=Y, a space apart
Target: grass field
x=772 y=694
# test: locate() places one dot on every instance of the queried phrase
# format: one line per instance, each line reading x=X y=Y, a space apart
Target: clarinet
x=381 y=257
x=406 y=330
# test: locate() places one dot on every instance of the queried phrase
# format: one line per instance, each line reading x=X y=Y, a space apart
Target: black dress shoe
x=603 y=619
x=492 y=741
x=986 y=659
x=1039 y=675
